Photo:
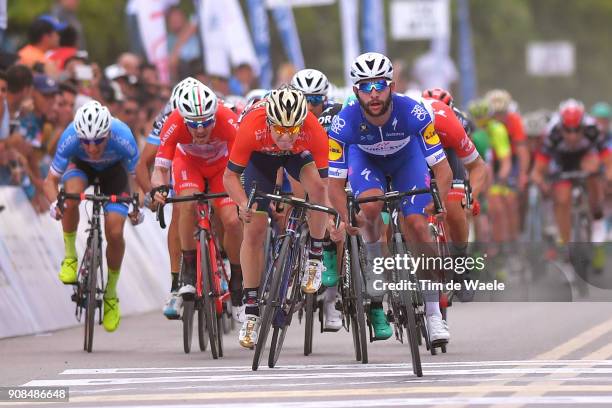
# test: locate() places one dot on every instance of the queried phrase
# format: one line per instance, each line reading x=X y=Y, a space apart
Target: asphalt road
x=500 y=354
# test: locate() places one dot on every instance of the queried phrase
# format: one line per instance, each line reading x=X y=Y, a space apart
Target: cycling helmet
x=478 y=109
x=92 y=121
x=286 y=106
x=255 y=95
x=571 y=112
x=189 y=81
x=311 y=82
x=440 y=94
x=196 y=102
x=499 y=100
x=371 y=65
x=601 y=110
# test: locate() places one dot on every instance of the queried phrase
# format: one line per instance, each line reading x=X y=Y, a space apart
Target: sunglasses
x=571 y=129
x=379 y=85
x=315 y=100
x=286 y=130
x=97 y=142
x=194 y=124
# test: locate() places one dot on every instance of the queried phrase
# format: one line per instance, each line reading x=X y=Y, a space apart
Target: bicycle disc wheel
x=93 y=264
x=356 y=269
x=188 y=310
x=208 y=296
x=310 y=300
x=271 y=300
x=202 y=335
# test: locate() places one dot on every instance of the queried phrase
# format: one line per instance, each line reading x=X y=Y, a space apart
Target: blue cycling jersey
x=409 y=132
x=120 y=147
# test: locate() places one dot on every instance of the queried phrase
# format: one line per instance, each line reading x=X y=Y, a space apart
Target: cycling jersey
x=516 y=130
x=176 y=136
x=254 y=136
x=158 y=124
x=330 y=110
x=499 y=140
x=121 y=147
x=401 y=149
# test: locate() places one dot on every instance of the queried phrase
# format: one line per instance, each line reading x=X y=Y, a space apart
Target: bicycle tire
x=188 y=310
x=202 y=336
x=208 y=296
x=358 y=296
x=271 y=298
x=93 y=265
x=348 y=306
x=410 y=318
x=279 y=333
x=220 y=336
x=309 y=323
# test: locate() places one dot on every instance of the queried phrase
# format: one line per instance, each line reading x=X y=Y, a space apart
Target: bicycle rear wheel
x=188 y=310
x=278 y=335
x=208 y=296
x=93 y=264
x=357 y=295
x=202 y=335
x=309 y=326
x=270 y=301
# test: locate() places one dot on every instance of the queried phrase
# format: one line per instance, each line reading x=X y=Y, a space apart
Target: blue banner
x=283 y=16
x=467 y=66
x=258 y=18
x=373 y=26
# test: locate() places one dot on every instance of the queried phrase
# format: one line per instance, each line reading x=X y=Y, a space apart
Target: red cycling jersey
x=175 y=136
x=516 y=130
x=254 y=136
x=451 y=132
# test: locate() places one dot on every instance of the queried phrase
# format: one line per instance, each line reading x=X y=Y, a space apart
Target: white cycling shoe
x=438 y=330
x=174 y=304
x=249 y=331
x=333 y=317
x=187 y=290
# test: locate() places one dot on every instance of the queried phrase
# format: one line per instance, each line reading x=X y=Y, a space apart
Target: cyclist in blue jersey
x=174 y=303
x=384 y=134
x=95 y=145
x=315 y=86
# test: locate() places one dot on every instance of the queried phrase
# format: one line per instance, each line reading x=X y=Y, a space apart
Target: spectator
x=5 y=117
x=130 y=63
x=64 y=113
x=183 y=42
x=220 y=85
x=285 y=72
x=129 y=115
x=19 y=81
x=67 y=47
x=116 y=73
x=243 y=79
x=65 y=11
x=42 y=37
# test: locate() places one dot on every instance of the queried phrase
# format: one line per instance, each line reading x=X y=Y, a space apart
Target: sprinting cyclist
x=94 y=145
x=195 y=142
x=387 y=134
x=277 y=132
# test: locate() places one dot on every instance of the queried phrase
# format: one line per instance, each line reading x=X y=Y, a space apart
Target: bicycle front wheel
x=357 y=289
x=93 y=264
x=188 y=311
x=208 y=296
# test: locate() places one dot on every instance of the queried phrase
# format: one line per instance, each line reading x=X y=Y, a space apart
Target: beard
x=386 y=104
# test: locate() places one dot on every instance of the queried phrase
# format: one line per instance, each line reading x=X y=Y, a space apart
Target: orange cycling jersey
x=516 y=130
x=175 y=135
x=254 y=135
x=451 y=132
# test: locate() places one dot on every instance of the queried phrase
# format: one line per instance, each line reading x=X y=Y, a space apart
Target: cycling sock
x=175 y=279
x=111 y=286
x=69 y=244
x=316 y=248
x=432 y=302
x=235 y=284
x=251 y=301
x=189 y=263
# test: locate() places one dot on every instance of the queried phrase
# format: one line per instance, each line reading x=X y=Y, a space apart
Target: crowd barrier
x=33 y=300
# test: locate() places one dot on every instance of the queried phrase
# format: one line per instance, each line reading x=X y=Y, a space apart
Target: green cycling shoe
x=68 y=271
x=329 y=278
x=112 y=314
x=382 y=328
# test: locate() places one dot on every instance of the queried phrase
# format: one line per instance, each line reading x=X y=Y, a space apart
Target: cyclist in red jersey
x=276 y=132
x=195 y=141
x=461 y=154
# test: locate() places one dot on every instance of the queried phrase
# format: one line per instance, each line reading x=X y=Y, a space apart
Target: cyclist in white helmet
x=316 y=87
x=94 y=145
x=195 y=143
x=172 y=308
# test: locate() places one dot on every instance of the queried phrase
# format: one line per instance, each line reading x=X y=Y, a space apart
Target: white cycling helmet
x=286 y=106
x=92 y=121
x=499 y=100
x=255 y=95
x=189 y=81
x=196 y=102
x=371 y=65
x=311 y=82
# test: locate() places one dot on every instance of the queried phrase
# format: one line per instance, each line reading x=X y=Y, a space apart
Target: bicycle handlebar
x=194 y=197
x=101 y=198
x=392 y=196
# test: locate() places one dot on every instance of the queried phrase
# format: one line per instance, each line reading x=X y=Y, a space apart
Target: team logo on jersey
x=394 y=123
x=419 y=112
x=337 y=124
x=430 y=135
x=335 y=150
x=363 y=127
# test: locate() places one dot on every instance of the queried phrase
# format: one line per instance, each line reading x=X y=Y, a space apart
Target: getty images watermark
x=413 y=264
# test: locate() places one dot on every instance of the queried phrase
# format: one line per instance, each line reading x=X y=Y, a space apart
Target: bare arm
x=143 y=174
x=337 y=196
x=444 y=178
x=50 y=186
x=478 y=175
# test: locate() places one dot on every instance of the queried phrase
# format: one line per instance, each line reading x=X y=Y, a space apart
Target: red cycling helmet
x=571 y=112
x=440 y=94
